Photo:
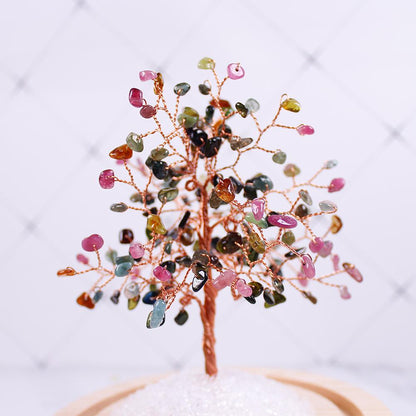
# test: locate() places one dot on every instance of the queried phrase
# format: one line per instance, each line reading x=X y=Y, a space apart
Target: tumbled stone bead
x=132 y=303
x=159 y=153
x=149 y=162
x=148 y=111
x=181 y=88
x=68 y=271
x=225 y=278
x=111 y=255
x=211 y=147
x=243 y=288
x=250 y=191
x=326 y=249
x=199 y=280
x=98 y=295
x=336 y=224
x=252 y=105
x=158 y=314
x=147 y=75
x=82 y=259
x=335 y=262
x=282 y=221
x=290 y=104
x=123 y=269
x=206 y=63
x=126 y=236
x=162 y=274
x=187 y=120
x=262 y=183
x=308 y=268
x=291 y=170
x=257 y=208
x=122 y=152
x=291 y=255
x=327 y=206
x=241 y=109
x=225 y=190
x=345 y=294
x=124 y=259
x=204 y=89
x=305 y=197
x=158 y=84
x=240 y=142
x=256 y=288
x=185 y=261
x=279 y=157
x=154 y=224
x=256 y=243
x=106 y=179
x=261 y=223
x=288 y=238
x=209 y=113
x=310 y=297
x=85 y=300
x=167 y=194
x=136 y=250
x=278 y=285
x=160 y=169
x=150 y=297
x=353 y=272
x=115 y=297
x=131 y=290
x=119 y=207
x=201 y=256
x=169 y=265
x=301 y=211
x=273 y=298
x=316 y=245
x=228 y=244
x=136 y=97
x=330 y=164
x=92 y=243
x=181 y=317
x=135 y=142
x=305 y=130
x=197 y=136
x=336 y=185
x=187 y=236
x=235 y=71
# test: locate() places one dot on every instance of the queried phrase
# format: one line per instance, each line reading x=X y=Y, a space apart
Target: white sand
x=231 y=393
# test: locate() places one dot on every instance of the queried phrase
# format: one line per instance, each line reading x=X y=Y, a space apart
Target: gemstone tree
x=208 y=227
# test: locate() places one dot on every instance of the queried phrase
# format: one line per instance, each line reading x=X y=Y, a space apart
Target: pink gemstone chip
x=345 y=294
x=235 y=71
x=134 y=272
x=136 y=250
x=336 y=185
x=326 y=249
x=243 y=288
x=335 y=262
x=257 y=208
x=106 y=179
x=147 y=75
x=308 y=267
x=92 y=243
x=136 y=97
x=282 y=221
x=82 y=259
x=316 y=245
x=147 y=111
x=162 y=274
x=354 y=273
x=303 y=281
x=224 y=279
x=305 y=130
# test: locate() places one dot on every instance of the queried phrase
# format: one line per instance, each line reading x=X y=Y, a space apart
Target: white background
x=65 y=71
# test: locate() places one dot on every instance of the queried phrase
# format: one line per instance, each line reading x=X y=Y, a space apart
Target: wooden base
x=328 y=397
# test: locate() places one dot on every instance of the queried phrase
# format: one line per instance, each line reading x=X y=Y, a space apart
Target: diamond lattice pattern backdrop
x=65 y=71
